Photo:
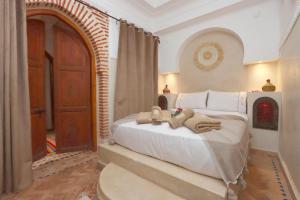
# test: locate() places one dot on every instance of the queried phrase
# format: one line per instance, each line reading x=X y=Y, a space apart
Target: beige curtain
x=137 y=71
x=15 y=133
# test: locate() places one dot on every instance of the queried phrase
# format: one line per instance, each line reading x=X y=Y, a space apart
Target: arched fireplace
x=265 y=113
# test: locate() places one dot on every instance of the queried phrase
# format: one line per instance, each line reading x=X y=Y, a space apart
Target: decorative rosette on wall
x=208 y=56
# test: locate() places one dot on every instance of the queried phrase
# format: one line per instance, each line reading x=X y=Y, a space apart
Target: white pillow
x=243 y=102
x=223 y=101
x=192 y=100
x=171 y=100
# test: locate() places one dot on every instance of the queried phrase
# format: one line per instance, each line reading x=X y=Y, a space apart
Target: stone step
x=116 y=183
x=182 y=182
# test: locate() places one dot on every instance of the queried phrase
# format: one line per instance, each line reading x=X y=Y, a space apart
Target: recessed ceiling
x=157 y=7
x=157 y=3
x=161 y=15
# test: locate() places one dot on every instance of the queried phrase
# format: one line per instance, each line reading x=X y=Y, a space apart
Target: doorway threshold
x=54 y=164
x=54 y=157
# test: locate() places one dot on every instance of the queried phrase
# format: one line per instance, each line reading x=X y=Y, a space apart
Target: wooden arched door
x=71 y=86
x=72 y=91
x=36 y=71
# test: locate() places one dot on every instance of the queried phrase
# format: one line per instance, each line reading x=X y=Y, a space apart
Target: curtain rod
x=93 y=7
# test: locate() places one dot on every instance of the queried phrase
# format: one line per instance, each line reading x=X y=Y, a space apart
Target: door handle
x=38 y=110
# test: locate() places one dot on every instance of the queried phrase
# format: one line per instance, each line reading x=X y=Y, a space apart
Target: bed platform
x=128 y=175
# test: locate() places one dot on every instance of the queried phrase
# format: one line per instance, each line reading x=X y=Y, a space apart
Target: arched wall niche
x=93 y=28
x=230 y=75
x=205 y=31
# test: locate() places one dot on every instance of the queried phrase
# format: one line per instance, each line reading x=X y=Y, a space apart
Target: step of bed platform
x=117 y=183
x=180 y=181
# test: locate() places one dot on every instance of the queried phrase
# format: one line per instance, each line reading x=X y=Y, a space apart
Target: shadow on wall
x=230 y=75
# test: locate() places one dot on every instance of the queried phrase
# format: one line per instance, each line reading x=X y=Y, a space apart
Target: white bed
x=178 y=146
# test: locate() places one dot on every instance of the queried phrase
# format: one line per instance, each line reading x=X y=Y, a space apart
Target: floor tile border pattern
x=275 y=166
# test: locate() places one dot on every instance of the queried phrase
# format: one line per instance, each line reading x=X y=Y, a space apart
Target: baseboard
x=265 y=150
x=289 y=177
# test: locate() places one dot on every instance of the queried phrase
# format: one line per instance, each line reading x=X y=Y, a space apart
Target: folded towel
x=201 y=123
x=179 y=119
x=202 y=129
x=156 y=115
x=146 y=117
x=165 y=115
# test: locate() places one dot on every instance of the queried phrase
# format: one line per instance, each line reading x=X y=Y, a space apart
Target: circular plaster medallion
x=208 y=56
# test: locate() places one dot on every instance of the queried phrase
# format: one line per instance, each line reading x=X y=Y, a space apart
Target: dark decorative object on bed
x=265 y=113
x=163 y=102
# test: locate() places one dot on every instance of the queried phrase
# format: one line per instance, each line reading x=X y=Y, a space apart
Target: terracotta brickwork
x=95 y=25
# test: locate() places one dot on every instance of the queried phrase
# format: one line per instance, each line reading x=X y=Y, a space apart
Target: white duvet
x=178 y=146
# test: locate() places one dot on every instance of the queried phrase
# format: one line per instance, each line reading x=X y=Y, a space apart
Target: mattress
x=178 y=146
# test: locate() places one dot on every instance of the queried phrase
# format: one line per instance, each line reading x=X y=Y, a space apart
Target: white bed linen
x=217 y=112
x=179 y=146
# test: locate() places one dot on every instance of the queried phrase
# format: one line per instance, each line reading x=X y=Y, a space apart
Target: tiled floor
x=265 y=181
x=67 y=185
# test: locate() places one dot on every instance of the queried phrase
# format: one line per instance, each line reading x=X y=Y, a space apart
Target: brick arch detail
x=95 y=26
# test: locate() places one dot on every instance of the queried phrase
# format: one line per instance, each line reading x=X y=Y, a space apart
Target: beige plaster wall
x=289 y=67
x=230 y=75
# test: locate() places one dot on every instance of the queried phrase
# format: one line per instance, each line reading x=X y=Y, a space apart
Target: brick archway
x=93 y=28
